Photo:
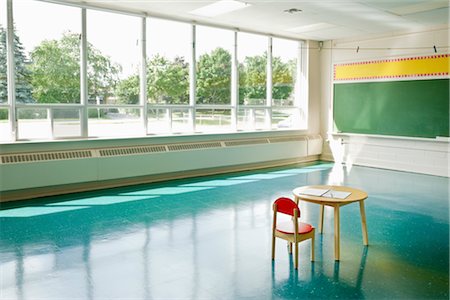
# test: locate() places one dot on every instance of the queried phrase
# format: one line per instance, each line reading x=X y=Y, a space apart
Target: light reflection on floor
x=209 y=238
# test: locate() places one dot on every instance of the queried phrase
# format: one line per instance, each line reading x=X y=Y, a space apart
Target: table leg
x=363 y=223
x=336 y=233
x=321 y=218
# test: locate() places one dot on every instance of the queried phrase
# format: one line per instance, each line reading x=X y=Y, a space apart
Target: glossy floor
x=209 y=238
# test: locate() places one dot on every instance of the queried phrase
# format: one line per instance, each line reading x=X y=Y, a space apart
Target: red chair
x=292 y=231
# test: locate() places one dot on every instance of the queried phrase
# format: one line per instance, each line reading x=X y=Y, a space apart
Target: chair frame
x=292 y=238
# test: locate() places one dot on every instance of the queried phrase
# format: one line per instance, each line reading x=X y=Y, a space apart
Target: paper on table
x=314 y=192
x=336 y=194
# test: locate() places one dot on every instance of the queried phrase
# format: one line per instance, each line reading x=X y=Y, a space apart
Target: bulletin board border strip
x=397 y=68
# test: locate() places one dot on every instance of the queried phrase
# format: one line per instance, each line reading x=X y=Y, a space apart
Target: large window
x=112 y=65
x=252 y=58
x=169 y=55
x=285 y=90
x=214 y=48
x=198 y=79
x=47 y=53
x=168 y=61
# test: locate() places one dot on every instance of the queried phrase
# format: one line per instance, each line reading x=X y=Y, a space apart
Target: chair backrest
x=286 y=206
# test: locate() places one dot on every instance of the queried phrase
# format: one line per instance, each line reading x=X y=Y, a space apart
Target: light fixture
x=292 y=11
x=219 y=8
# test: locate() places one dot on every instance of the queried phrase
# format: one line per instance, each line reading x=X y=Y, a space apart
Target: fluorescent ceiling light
x=311 y=27
x=219 y=8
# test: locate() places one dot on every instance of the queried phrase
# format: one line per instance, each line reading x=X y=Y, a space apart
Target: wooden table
x=355 y=196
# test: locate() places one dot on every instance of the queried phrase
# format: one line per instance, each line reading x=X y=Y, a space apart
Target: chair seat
x=288 y=227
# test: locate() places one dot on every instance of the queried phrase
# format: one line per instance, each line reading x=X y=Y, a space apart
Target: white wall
x=427 y=156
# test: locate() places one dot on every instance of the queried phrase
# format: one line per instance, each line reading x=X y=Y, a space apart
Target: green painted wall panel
x=417 y=108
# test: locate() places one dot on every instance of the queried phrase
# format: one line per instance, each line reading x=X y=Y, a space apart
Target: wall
x=429 y=156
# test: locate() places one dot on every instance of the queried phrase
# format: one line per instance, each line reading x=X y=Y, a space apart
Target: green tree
x=252 y=79
x=55 y=65
x=23 y=74
x=127 y=90
x=282 y=78
x=214 y=77
x=168 y=81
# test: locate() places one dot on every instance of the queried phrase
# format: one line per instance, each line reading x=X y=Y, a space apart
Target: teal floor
x=209 y=238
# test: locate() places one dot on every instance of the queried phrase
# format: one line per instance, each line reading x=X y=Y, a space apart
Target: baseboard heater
x=29 y=175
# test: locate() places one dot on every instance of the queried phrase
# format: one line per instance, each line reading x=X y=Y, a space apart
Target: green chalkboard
x=416 y=108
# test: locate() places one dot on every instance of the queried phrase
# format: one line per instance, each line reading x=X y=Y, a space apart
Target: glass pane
x=47 y=52
x=213 y=120
x=34 y=123
x=286 y=118
x=66 y=122
x=5 y=128
x=113 y=122
x=252 y=58
x=113 y=58
x=169 y=57
x=284 y=69
x=181 y=120
x=158 y=120
x=252 y=119
x=213 y=50
x=3 y=70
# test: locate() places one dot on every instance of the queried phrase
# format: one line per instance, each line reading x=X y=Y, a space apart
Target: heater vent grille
x=44 y=156
x=246 y=142
x=131 y=150
x=181 y=147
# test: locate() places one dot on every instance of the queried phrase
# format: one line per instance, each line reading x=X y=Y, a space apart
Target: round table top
x=356 y=195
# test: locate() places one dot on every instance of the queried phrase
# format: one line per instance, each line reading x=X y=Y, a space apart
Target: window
x=214 y=48
x=47 y=64
x=252 y=58
x=47 y=53
x=113 y=67
x=213 y=53
x=285 y=90
x=168 y=61
x=169 y=46
x=192 y=83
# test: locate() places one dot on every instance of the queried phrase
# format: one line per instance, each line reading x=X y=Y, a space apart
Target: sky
x=117 y=35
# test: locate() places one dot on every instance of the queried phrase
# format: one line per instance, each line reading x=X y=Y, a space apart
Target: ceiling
x=318 y=19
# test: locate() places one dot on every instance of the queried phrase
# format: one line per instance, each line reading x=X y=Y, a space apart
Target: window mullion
x=83 y=75
x=269 y=85
x=234 y=83
x=10 y=65
x=192 y=83
x=143 y=77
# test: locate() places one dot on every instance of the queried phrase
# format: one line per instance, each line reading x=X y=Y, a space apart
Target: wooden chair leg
x=290 y=247
x=273 y=247
x=312 y=246
x=296 y=255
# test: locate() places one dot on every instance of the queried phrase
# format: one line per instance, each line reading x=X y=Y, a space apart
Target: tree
x=55 y=65
x=282 y=78
x=252 y=78
x=214 y=77
x=23 y=74
x=168 y=81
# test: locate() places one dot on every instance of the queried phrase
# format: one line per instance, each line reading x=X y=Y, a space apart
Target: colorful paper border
x=410 y=67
